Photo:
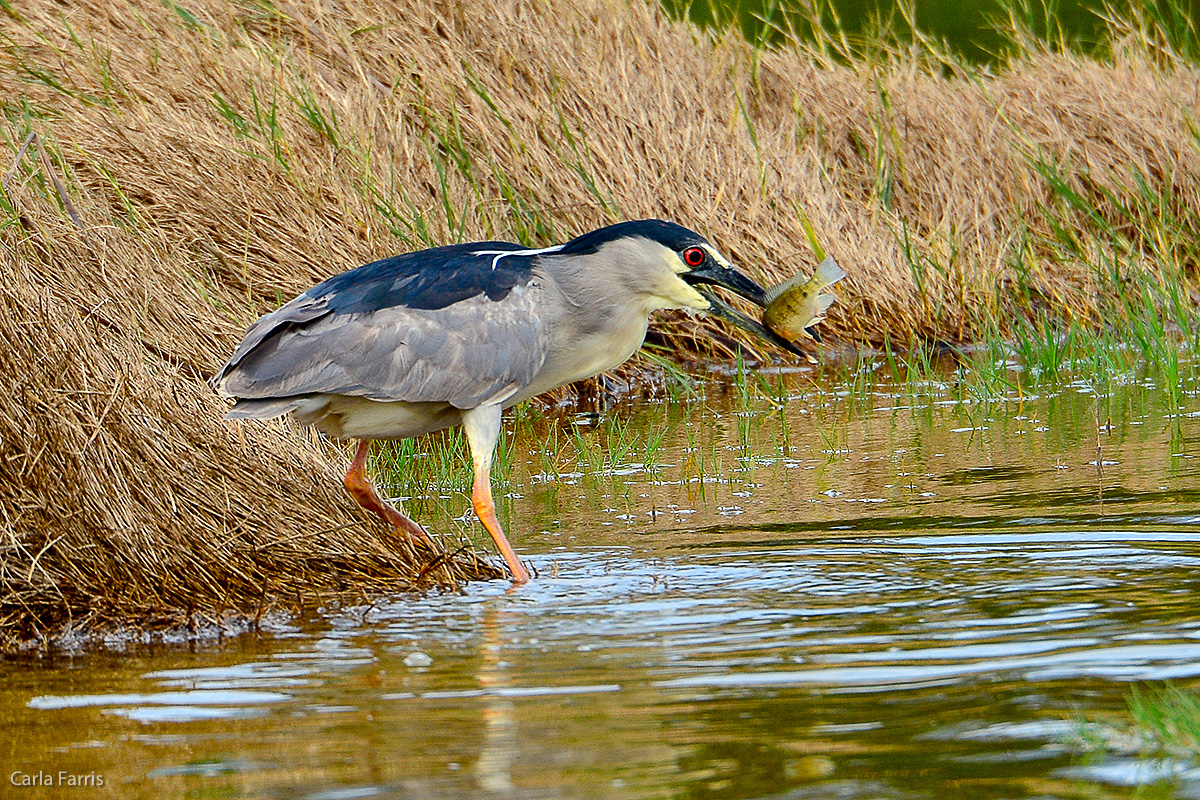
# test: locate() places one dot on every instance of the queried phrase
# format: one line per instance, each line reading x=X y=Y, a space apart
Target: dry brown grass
x=125 y=499
x=222 y=156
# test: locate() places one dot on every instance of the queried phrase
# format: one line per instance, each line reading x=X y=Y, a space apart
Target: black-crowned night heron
x=454 y=335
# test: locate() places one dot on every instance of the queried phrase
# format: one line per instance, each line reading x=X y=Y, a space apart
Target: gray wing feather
x=464 y=354
x=299 y=311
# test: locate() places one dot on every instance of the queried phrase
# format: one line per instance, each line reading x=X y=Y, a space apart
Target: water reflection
x=895 y=610
x=493 y=768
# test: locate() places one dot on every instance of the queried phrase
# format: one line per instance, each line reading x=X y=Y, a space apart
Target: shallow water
x=844 y=594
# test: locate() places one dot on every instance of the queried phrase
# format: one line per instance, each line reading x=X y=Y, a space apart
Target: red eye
x=693 y=257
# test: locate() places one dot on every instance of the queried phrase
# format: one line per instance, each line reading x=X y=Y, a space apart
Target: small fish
x=797 y=304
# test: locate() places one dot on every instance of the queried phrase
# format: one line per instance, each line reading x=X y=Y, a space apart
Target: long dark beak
x=719 y=275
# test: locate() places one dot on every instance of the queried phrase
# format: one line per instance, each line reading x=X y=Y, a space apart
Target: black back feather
x=427 y=279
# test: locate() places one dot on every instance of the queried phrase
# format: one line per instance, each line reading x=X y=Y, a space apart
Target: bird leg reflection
x=493 y=770
x=359 y=486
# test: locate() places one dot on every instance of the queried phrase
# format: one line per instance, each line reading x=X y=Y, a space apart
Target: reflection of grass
x=1161 y=720
x=867 y=429
x=1168 y=716
x=599 y=454
x=1041 y=356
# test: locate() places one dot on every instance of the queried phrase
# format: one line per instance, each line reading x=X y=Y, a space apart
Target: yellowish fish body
x=797 y=304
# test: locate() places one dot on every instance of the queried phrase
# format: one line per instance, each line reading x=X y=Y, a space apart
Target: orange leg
x=360 y=488
x=485 y=509
x=482 y=426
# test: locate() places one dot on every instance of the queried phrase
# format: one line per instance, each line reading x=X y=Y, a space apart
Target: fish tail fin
x=828 y=272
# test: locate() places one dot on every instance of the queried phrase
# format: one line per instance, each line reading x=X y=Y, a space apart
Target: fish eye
x=693 y=257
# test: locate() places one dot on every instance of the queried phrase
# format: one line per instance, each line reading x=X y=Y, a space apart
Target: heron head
x=699 y=264
x=693 y=264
